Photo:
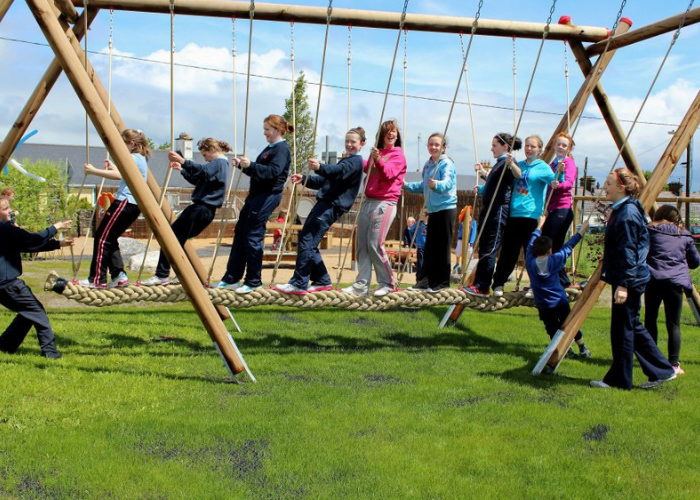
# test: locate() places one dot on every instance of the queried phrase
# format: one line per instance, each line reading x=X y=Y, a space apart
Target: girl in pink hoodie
x=559 y=212
x=386 y=169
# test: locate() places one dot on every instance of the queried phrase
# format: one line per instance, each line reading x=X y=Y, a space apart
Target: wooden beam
x=68 y=10
x=593 y=76
x=38 y=97
x=645 y=32
x=4 y=7
x=649 y=193
x=356 y=18
x=21 y=124
x=608 y=113
x=111 y=137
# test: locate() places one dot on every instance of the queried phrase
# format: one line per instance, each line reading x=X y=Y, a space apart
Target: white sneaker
x=600 y=384
x=175 y=281
x=498 y=291
x=223 y=284
x=653 y=383
x=155 y=280
x=677 y=368
x=382 y=291
x=529 y=294
x=246 y=289
x=319 y=288
x=290 y=289
x=86 y=283
x=121 y=280
x=351 y=290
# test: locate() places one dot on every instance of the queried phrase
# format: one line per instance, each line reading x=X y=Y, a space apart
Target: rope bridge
x=265 y=297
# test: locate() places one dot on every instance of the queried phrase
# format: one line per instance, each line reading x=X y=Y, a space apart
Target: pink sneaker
x=319 y=288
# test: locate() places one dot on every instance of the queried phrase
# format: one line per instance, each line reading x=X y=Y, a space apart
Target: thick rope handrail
x=282 y=244
x=169 y=172
x=517 y=126
x=599 y=62
x=329 y=18
x=76 y=268
x=370 y=163
x=247 y=83
x=87 y=139
x=222 y=218
x=646 y=97
x=462 y=71
x=403 y=298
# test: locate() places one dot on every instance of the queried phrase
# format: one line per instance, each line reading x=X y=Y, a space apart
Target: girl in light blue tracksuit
x=439 y=187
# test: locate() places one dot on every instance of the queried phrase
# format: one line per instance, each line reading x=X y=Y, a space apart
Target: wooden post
x=68 y=10
x=658 y=178
x=20 y=126
x=608 y=113
x=4 y=7
x=593 y=76
x=111 y=137
x=38 y=97
x=359 y=18
x=645 y=32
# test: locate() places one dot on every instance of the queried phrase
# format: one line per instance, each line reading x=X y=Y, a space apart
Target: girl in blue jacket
x=671 y=252
x=337 y=187
x=439 y=188
x=625 y=268
x=526 y=205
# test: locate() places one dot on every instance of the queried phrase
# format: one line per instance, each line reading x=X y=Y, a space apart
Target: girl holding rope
x=526 y=206
x=625 y=268
x=560 y=214
x=209 y=182
x=496 y=194
x=118 y=218
x=671 y=252
x=337 y=187
x=439 y=188
x=382 y=191
x=268 y=175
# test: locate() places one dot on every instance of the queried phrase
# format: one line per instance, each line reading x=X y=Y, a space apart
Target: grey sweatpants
x=373 y=225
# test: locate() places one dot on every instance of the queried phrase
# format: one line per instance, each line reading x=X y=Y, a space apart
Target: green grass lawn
x=347 y=405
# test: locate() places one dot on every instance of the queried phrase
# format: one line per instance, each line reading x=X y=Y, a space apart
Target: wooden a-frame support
x=58 y=33
x=590 y=84
x=662 y=171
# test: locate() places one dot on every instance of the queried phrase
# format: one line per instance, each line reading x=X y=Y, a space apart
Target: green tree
x=304 y=123
x=39 y=204
x=164 y=147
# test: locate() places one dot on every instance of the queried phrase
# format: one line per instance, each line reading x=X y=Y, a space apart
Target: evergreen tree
x=304 y=124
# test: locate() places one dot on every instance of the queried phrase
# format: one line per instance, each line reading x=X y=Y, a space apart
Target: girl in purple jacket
x=671 y=252
x=559 y=212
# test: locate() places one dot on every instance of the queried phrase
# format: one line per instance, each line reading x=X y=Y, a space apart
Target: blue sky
x=204 y=95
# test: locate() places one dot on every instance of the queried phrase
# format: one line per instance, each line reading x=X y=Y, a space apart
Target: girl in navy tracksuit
x=495 y=202
x=671 y=252
x=14 y=293
x=625 y=268
x=119 y=216
x=439 y=188
x=209 y=190
x=337 y=186
x=268 y=175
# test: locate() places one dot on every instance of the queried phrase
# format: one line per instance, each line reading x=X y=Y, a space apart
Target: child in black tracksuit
x=14 y=293
x=337 y=186
x=209 y=190
x=268 y=175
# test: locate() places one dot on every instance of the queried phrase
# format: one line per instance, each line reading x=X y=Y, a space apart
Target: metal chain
x=292 y=53
x=329 y=11
x=619 y=16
